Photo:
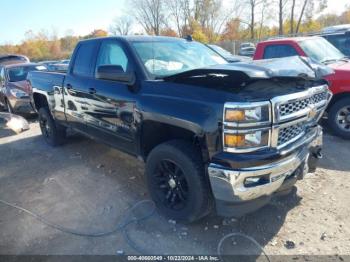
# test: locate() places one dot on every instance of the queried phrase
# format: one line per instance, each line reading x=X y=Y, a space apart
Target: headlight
x=247 y=140
x=18 y=93
x=247 y=126
x=247 y=113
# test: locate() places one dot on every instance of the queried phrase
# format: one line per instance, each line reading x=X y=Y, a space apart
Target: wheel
x=339 y=118
x=53 y=133
x=8 y=107
x=177 y=183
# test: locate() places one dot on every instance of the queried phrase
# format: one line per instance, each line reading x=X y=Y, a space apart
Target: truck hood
x=289 y=67
x=21 y=85
x=258 y=80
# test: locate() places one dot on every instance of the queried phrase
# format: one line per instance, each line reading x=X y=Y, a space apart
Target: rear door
x=110 y=113
x=78 y=82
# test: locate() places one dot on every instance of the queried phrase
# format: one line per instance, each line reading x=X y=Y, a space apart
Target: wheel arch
x=154 y=133
x=336 y=98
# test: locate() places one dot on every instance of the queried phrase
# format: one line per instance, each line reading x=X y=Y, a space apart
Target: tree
x=281 y=7
x=180 y=12
x=301 y=16
x=121 y=26
x=231 y=31
x=291 y=30
x=253 y=4
x=168 y=32
x=150 y=14
x=97 y=33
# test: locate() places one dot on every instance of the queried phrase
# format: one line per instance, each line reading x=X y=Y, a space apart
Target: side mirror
x=115 y=73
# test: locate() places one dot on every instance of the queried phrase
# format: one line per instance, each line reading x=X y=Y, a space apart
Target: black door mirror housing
x=115 y=73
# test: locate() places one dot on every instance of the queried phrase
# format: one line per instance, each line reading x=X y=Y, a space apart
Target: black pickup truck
x=213 y=135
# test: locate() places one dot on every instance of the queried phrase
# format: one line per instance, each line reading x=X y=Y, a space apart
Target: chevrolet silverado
x=213 y=135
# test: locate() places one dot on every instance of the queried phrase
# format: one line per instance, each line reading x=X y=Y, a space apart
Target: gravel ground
x=89 y=187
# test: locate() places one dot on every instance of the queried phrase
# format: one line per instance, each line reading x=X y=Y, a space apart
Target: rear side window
x=84 y=59
x=279 y=51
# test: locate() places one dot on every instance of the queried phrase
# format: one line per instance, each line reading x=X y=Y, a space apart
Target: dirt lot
x=88 y=187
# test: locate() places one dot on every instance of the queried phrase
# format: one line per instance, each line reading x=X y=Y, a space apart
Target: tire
x=340 y=111
x=177 y=167
x=53 y=133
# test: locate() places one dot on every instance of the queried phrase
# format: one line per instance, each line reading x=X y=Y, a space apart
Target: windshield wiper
x=328 y=61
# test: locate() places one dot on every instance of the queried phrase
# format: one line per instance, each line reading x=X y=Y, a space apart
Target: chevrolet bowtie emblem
x=312 y=112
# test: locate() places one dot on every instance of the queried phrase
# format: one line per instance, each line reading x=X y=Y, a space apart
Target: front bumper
x=21 y=105
x=254 y=186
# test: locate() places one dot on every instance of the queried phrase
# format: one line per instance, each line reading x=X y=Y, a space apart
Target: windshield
x=20 y=73
x=221 y=51
x=167 y=58
x=340 y=41
x=321 y=50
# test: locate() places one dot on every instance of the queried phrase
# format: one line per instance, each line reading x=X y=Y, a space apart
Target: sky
x=79 y=17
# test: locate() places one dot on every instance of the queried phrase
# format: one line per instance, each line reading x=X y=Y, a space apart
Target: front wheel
x=339 y=118
x=53 y=134
x=176 y=181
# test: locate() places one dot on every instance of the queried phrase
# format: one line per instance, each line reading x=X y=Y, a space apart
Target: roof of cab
x=138 y=38
x=289 y=39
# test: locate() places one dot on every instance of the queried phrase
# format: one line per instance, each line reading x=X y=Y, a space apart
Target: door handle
x=92 y=91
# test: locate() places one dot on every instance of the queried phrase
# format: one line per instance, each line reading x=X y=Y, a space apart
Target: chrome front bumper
x=230 y=185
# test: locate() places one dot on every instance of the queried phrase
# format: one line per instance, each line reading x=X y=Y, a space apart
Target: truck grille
x=299 y=105
x=287 y=134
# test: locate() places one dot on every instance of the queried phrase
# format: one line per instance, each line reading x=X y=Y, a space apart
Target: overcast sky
x=77 y=16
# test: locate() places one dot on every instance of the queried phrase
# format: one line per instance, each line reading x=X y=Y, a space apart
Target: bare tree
x=281 y=11
x=253 y=4
x=291 y=30
x=180 y=11
x=150 y=14
x=121 y=25
x=301 y=15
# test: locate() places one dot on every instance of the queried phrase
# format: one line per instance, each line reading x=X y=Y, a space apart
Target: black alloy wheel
x=177 y=181
x=172 y=185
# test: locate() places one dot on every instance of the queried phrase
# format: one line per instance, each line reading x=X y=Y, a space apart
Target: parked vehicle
x=56 y=66
x=246 y=45
x=12 y=59
x=339 y=36
x=210 y=132
x=14 y=89
x=228 y=56
x=322 y=51
x=247 y=51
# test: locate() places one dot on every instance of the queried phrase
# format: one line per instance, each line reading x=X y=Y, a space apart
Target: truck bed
x=45 y=81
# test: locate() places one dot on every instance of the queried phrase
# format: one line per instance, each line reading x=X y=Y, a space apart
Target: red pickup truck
x=322 y=51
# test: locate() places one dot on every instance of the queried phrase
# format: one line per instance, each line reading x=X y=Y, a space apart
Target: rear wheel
x=339 y=118
x=176 y=181
x=53 y=133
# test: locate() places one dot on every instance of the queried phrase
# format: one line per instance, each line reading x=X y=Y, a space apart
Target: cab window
x=279 y=51
x=111 y=53
x=84 y=59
